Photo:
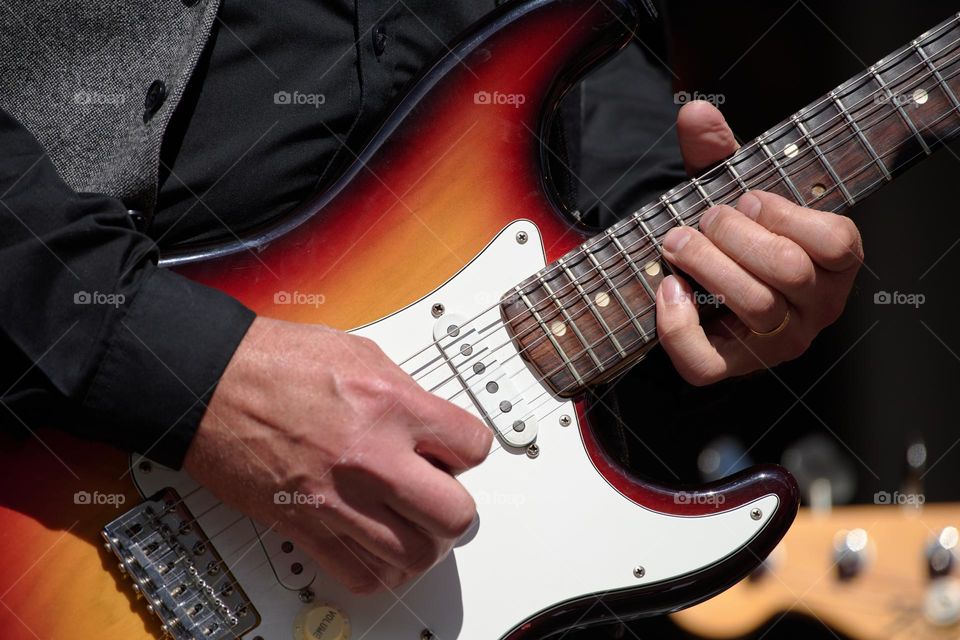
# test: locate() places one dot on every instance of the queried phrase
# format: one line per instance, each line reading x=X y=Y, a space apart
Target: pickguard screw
x=146 y=467
x=533 y=451
x=639 y=572
x=756 y=514
x=426 y=634
x=565 y=420
x=436 y=310
x=306 y=595
x=522 y=237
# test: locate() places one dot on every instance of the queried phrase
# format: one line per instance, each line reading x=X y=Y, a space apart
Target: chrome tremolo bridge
x=174 y=567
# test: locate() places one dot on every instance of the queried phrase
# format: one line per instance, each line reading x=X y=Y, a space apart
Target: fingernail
x=706 y=220
x=749 y=205
x=676 y=239
x=672 y=293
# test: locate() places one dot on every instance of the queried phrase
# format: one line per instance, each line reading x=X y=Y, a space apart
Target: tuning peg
x=850 y=552
x=942 y=552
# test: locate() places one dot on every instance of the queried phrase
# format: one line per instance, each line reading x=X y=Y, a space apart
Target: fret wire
x=570 y=321
x=596 y=312
x=783 y=174
x=852 y=123
x=649 y=234
x=616 y=292
x=546 y=330
x=702 y=191
x=736 y=175
x=823 y=159
x=635 y=268
x=672 y=210
x=936 y=74
x=899 y=107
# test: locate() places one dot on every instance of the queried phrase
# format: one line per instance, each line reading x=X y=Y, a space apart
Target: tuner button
x=321 y=622
x=941 y=553
x=850 y=552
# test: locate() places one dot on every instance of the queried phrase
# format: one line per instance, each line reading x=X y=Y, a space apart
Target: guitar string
x=845 y=91
x=601 y=283
x=596 y=273
x=623 y=325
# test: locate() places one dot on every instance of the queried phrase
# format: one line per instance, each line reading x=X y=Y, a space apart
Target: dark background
x=883 y=376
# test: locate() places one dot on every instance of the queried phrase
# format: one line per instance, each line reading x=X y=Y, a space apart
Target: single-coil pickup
x=473 y=359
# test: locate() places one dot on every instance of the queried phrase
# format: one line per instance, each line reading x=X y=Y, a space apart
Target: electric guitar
x=445 y=243
x=872 y=573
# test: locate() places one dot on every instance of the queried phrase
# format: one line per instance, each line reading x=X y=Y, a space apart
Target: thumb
x=705 y=137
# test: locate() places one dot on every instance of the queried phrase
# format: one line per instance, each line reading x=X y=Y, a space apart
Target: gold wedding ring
x=773 y=332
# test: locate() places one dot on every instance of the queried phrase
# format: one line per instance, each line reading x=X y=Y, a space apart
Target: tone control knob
x=942 y=552
x=321 y=622
x=850 y=552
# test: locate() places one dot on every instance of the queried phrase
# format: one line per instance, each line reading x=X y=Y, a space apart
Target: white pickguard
x=550 y=528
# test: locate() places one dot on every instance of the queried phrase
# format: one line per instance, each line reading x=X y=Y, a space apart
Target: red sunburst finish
x=446 y=173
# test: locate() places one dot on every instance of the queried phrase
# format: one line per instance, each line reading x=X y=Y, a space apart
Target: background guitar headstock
x=870 y=572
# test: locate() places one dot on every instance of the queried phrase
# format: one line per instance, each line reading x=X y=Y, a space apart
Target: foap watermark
x=95 y=297
x=496 y=98
x=897 y=498
x=496 y=498
x=916 y=98
x=296 y=498
x=299 y=298
x=683 y=97
x=97 y=98
x=899 y=298
x=86 y=498
x=697 y=497
x=315 y=100
x=703 y=299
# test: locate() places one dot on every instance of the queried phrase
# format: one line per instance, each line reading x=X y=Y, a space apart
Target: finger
x=390 y=537
x=682 y=337
x=831 y=240
x=705 y=137
x=349 y=563
x=433 y=500
x=757 y=304
x=453 y=437
x=776 y=260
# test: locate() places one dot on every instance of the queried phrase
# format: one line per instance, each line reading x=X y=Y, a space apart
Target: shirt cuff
x=163 y=363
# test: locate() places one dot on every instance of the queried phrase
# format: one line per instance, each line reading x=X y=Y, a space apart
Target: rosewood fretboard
x=588 y=315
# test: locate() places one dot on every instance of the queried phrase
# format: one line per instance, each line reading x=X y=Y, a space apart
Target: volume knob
x=321 y=622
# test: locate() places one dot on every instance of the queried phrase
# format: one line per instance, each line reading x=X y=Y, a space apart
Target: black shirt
x=282 y=94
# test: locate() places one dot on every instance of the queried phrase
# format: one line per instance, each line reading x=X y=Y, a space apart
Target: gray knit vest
x=76 y=74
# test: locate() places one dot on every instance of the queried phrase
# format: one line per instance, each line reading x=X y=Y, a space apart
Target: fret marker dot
x=791 y=150
x=652 y=268
x=558 y=328
x=920 y=96
x=818 y=190
x=602 y=299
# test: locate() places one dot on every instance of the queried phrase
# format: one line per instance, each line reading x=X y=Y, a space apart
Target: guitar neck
x=590 y=314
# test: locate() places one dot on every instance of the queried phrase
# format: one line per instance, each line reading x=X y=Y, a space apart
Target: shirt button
x=156 y=94
x=138 y=219
x=379 y=40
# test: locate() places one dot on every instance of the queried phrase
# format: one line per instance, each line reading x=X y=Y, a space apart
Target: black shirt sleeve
x=133 y=351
